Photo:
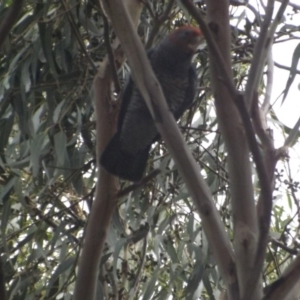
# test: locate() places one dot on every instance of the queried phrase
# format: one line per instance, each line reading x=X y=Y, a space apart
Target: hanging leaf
x=293 y=71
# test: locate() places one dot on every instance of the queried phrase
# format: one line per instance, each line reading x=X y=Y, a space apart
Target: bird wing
x=189 y=93
x=125 y=100
x=127 y=96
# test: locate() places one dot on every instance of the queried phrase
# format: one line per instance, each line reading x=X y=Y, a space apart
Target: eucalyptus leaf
x=293 y=71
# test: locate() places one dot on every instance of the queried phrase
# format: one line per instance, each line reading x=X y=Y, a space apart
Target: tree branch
x=224 y=74
x=227 y=98
x=111 y=55
x=10 y=19
x=2 y=281
x=151 y=91
x=105 y=198
x=259 y=56
x=287 y=285
x=107 y=185
x=158 y=21
x=262 y=48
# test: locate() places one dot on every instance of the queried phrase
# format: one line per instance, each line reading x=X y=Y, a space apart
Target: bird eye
x=186 y=34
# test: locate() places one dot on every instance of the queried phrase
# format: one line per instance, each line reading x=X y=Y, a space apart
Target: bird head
x=187 y=39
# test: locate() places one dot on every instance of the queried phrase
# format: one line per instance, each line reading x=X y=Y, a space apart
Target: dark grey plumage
x=127 y=153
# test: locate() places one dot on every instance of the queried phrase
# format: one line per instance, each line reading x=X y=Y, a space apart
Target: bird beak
x=196 y=43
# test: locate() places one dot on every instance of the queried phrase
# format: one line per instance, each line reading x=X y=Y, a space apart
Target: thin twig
x=158 y=21
x=284 y=247
x=285 y=67
x=259 y=56
x=78 y=36
x=262 y=47
x=139 y=273
x=278 y=18
x=135 y=186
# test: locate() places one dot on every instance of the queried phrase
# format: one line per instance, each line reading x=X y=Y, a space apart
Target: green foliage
x=156 y=248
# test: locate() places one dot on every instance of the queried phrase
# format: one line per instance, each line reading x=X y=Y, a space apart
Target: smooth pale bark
x=107 y=185
x=233 y=132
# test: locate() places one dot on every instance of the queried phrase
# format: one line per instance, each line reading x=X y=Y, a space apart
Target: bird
x=126 y=154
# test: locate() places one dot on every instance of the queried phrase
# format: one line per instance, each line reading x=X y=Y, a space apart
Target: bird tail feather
x=121 y=163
